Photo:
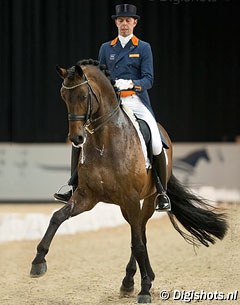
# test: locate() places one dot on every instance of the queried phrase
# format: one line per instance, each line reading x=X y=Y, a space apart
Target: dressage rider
x=130 y=63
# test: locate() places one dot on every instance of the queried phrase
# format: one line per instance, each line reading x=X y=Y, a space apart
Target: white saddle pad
x=133 y=119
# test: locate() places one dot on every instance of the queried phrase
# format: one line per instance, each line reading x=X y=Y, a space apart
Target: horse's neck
x=121 y=121
x=118 y=126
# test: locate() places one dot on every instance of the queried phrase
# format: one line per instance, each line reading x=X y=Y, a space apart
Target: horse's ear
x=62 y=72
x=79 y=70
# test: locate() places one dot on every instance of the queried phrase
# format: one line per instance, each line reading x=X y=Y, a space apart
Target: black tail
x=203 y=221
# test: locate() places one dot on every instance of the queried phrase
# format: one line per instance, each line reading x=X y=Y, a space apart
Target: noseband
x=87 y=118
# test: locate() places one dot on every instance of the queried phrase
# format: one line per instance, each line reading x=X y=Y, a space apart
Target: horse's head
x=78 y=97
x=82 y=94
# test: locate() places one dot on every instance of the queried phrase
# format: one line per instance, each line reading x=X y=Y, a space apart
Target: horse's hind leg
x=39 y=266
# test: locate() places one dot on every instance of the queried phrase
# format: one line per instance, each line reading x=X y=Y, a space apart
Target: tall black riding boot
x=162 y=200
x=73 y=181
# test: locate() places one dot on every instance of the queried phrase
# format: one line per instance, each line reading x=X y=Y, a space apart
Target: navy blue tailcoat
x=134 y=61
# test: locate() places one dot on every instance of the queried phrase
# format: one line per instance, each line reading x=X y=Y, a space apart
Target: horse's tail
x=203 y=221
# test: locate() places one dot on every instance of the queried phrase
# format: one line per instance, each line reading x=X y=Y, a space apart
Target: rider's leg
x=74 y=176
x=160 y=166
x=159 y=159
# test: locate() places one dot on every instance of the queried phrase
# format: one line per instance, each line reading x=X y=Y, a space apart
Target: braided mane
x=96 y=63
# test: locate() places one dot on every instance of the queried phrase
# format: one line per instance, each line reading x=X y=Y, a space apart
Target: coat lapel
x=121 y=52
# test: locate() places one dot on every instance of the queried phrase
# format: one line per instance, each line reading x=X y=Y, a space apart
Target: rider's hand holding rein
x=123 y=84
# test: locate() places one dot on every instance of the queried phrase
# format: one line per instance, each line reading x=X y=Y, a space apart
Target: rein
x=88 y=116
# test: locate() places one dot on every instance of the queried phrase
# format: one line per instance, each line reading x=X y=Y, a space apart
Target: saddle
x=146 y=133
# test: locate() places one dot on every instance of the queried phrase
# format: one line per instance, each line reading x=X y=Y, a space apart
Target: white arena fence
x=33 y=172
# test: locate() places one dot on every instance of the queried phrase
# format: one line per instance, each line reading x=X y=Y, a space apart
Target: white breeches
x=141 y=111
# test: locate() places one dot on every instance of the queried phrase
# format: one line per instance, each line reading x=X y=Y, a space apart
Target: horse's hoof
x=38 y=270
x=144 y=299
x=126 y=292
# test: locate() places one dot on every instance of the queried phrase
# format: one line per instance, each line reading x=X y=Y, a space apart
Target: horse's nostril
x=80 y=139
x=77 y=139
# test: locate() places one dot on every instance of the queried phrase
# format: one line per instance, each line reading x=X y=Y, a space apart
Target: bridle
x=87 y=118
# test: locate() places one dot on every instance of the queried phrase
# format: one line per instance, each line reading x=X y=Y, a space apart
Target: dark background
x=196 y=52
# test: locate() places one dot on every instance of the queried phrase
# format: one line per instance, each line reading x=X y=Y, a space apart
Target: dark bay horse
x=112 y=169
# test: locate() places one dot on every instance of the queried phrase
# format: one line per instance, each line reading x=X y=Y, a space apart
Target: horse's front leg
x=132 y=213
x=148 y=265
x=77 y=204
x=39 y=266
x=140 y=254
x=148 y=210
x=127 y=287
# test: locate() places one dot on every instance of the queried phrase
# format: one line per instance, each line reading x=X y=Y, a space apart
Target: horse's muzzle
x=77 y=140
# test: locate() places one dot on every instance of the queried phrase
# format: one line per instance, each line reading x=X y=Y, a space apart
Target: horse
x=112 y=169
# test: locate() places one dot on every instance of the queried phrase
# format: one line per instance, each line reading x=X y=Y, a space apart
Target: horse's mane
x=85 y=62
x=102 y=68
x=96 y=63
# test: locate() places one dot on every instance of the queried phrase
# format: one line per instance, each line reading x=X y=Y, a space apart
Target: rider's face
x=125 y=25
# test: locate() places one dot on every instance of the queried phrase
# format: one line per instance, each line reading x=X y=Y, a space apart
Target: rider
x=130 y=63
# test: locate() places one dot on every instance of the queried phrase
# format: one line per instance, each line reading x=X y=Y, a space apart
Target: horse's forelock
x=71 y=73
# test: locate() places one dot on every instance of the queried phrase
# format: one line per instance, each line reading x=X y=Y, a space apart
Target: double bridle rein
x=87 y=118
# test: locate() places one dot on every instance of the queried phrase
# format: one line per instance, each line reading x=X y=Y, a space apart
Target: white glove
x=123 y=84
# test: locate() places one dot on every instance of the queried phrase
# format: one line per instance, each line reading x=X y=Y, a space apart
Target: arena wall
x=33 y=172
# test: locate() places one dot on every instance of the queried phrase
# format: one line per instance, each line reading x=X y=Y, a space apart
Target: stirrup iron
x=165 y=205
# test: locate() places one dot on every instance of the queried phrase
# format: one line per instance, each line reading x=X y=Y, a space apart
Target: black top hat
x=126 y=10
